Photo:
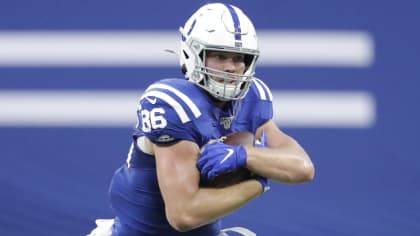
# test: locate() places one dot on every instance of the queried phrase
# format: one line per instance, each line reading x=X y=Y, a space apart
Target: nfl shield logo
x=226 y=121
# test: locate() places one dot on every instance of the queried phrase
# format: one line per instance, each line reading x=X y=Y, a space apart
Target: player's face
x=225 y=61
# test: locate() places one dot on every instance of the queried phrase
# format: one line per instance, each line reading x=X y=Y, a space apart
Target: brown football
x=227 y=179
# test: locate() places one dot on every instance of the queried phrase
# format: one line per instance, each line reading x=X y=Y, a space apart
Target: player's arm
x=187 y=205
x=284 y=160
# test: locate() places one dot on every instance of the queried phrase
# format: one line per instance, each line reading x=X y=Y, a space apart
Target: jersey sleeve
x=164 y=119
x=257 y=107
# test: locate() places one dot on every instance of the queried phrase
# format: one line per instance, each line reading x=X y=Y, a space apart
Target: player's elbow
x=305 y=172
x=182 y=222
x=308 y=171
x=301 y=172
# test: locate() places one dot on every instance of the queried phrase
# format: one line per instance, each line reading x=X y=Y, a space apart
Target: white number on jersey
x=153 y=119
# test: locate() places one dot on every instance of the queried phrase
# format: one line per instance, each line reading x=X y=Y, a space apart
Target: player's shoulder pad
x=174 y=95
x=260 y=91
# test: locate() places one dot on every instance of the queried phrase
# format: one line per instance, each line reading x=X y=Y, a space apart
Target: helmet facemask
x=225 y=86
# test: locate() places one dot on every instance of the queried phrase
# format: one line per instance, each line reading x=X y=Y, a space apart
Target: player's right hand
x=217 y=158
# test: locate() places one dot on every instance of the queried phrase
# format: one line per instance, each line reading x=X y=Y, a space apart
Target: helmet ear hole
x=185 y=54
x=184 y=69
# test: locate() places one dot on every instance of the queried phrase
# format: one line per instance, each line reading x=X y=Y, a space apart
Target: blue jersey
x=171 y=110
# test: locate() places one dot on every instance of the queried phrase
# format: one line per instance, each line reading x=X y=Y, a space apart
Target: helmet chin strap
x=222 y=90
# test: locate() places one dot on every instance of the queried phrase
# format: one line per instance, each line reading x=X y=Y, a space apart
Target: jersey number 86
x=153 y=119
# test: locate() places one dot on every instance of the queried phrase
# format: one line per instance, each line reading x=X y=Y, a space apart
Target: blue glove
x=262 y=143
x=264 y=183
x=217 y=158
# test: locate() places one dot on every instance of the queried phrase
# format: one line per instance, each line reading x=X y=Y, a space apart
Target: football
x=231 y=178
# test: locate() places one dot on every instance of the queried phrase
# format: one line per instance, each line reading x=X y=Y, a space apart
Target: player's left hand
x=217 y=158
x=263 y=141
x=264 y=183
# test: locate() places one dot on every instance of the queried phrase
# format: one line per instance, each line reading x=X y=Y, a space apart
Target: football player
x=157 y=191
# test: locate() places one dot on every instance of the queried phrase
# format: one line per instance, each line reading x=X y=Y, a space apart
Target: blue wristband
x=264 y=183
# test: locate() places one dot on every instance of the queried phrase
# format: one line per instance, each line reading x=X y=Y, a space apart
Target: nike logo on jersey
x=229 y=154
x=152 y=101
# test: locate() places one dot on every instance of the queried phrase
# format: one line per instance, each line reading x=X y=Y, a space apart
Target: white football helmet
x=218 y=27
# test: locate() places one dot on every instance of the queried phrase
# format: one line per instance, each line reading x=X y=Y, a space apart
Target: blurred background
x=345 y=79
